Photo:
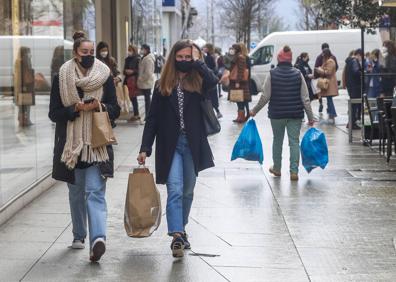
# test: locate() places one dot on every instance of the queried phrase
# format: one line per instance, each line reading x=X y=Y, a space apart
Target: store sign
x=168 y=3
x=171 y=3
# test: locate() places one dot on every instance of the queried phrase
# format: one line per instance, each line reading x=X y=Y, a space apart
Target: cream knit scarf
x=79 y=131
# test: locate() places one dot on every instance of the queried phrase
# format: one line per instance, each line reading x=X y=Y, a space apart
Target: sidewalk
x=336 y=224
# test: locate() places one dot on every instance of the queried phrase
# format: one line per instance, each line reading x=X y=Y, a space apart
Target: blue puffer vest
x=285 y=99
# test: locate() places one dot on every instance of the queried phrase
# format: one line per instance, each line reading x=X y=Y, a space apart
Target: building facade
x=35 y=40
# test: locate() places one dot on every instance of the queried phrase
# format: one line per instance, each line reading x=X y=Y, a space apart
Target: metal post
x=362 y=84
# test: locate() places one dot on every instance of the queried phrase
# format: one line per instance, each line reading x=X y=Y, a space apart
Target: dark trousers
x=242 y=106
x=356 y=112
x=147 y=101
x=135 y=106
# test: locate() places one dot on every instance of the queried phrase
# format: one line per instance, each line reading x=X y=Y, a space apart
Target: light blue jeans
x=87 y=197
x=180 y=186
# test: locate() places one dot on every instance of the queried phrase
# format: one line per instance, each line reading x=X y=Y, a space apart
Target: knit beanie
x=285 y=55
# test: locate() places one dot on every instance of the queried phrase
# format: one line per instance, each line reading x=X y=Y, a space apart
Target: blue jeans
x=331 y=108
x=180 y=186
x=87 y=197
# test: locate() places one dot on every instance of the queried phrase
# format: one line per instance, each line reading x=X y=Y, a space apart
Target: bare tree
x=310 y=14
x=242 y=15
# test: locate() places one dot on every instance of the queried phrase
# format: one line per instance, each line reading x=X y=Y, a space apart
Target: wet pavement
x=336 y=224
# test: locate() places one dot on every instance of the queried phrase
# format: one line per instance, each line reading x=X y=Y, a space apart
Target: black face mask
x=87 y=61
x=184 y=66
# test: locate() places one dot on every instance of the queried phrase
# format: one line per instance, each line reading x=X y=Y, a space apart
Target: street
x=336 y=224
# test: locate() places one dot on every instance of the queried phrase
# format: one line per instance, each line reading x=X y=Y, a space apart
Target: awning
x=387 y=3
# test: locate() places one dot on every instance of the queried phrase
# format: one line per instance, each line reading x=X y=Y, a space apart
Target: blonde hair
x=244 y=50
x=169 y=76
x=133 y=48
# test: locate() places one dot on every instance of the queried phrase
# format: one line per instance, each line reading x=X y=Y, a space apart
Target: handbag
x=102 y=132
x=323 y=83
x=142 y=214
x=236 y=95
x=212 y=125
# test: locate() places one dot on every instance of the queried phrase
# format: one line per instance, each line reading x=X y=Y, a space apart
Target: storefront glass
x=35 y=40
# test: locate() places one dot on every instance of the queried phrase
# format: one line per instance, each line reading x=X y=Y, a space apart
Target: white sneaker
x=78 y=244
x=98 y=249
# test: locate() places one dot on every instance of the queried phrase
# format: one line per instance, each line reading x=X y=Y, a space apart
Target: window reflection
x=35 y=40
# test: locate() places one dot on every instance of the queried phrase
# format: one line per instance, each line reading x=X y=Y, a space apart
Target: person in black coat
x=83 y=83
x=131 y=72
x=208 y=50
x=353 y=80
x=175 y=120
x=306 y=71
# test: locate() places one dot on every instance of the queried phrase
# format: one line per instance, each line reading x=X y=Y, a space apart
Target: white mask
x=104 y=54
x=232 y=52
x=130 y=53
x=384 y=50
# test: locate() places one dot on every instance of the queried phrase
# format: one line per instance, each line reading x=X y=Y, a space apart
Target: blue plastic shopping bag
x=314 y=151
x=248 y=146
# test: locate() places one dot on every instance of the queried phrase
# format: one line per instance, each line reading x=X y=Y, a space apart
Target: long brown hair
x=169 y=76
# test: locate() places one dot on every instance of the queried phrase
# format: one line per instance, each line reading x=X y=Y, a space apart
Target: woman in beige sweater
x=328 y=72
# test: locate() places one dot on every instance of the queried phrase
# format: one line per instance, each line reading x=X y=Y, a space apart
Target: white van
x=341 y=42
x=42 y=50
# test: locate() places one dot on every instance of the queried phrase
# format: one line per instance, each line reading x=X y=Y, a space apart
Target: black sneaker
x=177 y=247
x=187 y=245
x=98 y=249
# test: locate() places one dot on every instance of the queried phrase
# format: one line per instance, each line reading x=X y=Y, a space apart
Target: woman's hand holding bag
x=102 y=131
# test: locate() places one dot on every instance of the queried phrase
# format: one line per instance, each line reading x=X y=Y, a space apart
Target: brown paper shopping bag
x=142 y=214
x=102 y=132
x=123 y=101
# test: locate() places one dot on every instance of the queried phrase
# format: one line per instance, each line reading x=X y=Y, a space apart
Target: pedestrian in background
x=131 y=71
x=239 y=80
x=209 y=57
x=287 y=94
x=328 y=71
x=353 y=79
x=159 y=63
x=374 y=82
x=145 y=80
x=220 y=69
x=303 y=66
x=103 y=54
x=389 y=67
x=25 y=87
x=83 y=82
x=319 y=63
x=175 y=121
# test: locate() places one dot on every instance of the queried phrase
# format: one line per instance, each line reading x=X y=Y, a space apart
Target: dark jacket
x=111 y=63
x=353 y=77
x=388 y=81
x=285 y=99
x=306 y=70
x=61 y=115
x=131 y=63
x=214 y=98
x=163 y=125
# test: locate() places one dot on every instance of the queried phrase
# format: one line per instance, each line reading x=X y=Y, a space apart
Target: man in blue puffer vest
x=287 y=93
